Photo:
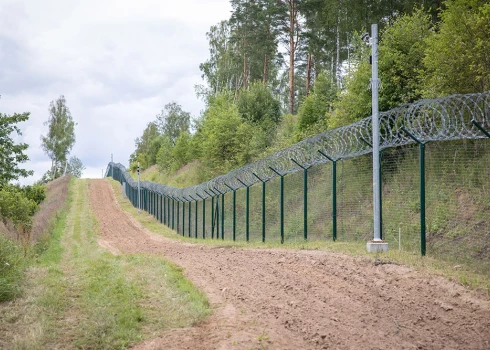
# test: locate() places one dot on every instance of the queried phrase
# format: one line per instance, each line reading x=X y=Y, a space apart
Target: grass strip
x=451 y=270
x=80 y=296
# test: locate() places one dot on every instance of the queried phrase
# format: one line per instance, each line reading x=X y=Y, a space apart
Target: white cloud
x=116 y=62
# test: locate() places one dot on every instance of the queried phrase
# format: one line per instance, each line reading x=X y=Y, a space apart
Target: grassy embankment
x=77 y=295
x=457 y=205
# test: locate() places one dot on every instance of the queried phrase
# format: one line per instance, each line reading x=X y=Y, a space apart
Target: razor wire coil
x=449 y=118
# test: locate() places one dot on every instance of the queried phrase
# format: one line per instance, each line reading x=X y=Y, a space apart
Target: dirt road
x=276 y=299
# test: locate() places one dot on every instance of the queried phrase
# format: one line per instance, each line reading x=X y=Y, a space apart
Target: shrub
x=12 y=263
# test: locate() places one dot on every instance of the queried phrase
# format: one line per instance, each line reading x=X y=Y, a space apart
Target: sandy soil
x=277 y=299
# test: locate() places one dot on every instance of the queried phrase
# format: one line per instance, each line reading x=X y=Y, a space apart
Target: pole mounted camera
x=366 y=38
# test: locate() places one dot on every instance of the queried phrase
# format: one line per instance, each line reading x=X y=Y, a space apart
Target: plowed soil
x=278 y=299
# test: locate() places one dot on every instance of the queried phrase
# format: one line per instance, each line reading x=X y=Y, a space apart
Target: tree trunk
x=337 y=42
x=244 y=64
x=266 y=68
x=266 y=59
x=308 y=74
x=292 y=25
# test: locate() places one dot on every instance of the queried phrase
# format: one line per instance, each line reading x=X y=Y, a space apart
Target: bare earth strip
x=277 y=299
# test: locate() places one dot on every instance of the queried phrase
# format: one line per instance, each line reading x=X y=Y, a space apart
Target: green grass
x=191 y=174
x=81 y=296
x=13 y=262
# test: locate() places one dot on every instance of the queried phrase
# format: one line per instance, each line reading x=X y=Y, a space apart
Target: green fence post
x=216 y=213
x=178 y=215
x=222 y=214
x=212 y=217
x=204 y=218
x=183 y=217
x=282 y=203
x=234 y=210
x=173 y=213
x=305 y=198
x=161 y=208
x=203 y=213
x=195 y=215
x=169 y=211
x=480 y=127
x=334 y=194
x=166 y=215
x=263 y=205
x=165 y=210
x=212 y=213
x=247 y=210
x=422 y=190
x=190 y=217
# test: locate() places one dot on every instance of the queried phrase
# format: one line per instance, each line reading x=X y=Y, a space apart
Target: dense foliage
x=306 y=57
x=17 y=204
x=11 y=153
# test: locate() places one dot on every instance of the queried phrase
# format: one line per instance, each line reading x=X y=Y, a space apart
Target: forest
x=281 y=71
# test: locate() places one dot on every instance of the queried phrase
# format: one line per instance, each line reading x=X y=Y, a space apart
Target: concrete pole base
x=377 y=246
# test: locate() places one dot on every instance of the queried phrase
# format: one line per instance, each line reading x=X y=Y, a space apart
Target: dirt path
x=275 y=299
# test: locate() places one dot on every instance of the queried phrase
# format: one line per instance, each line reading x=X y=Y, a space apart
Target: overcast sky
x=116 y=62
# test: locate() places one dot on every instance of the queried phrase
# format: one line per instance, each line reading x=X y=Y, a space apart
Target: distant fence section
x=321 y=188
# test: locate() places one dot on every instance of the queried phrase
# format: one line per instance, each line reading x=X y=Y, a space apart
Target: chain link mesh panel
x=457 y=185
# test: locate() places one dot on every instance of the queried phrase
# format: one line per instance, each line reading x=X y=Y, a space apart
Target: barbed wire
x=453 y=117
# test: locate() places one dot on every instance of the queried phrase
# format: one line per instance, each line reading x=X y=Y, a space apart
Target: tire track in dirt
x=277 y=299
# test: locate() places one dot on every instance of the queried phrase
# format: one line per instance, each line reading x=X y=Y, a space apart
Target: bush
x=224 y=137
x=36 y=193
x=16 y=207
x=12 y=264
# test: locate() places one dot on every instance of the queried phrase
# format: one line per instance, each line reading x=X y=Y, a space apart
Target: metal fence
x=321 y=188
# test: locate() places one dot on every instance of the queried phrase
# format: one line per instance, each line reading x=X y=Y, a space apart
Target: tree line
x=280 y=71
x=19 y=203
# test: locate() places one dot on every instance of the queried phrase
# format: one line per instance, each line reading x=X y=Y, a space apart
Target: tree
x=165 y=156
x=222 y=69
x=401 y=69
x=12 y=154
x=173 y=120
x=318 y=103
x=457 y=57
x=75 y=167
x=60 y=139
x=224 y=137
x=146 y=151
x=401 y=54
x=291 y=29
x=258 y=105
x=254 y=33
